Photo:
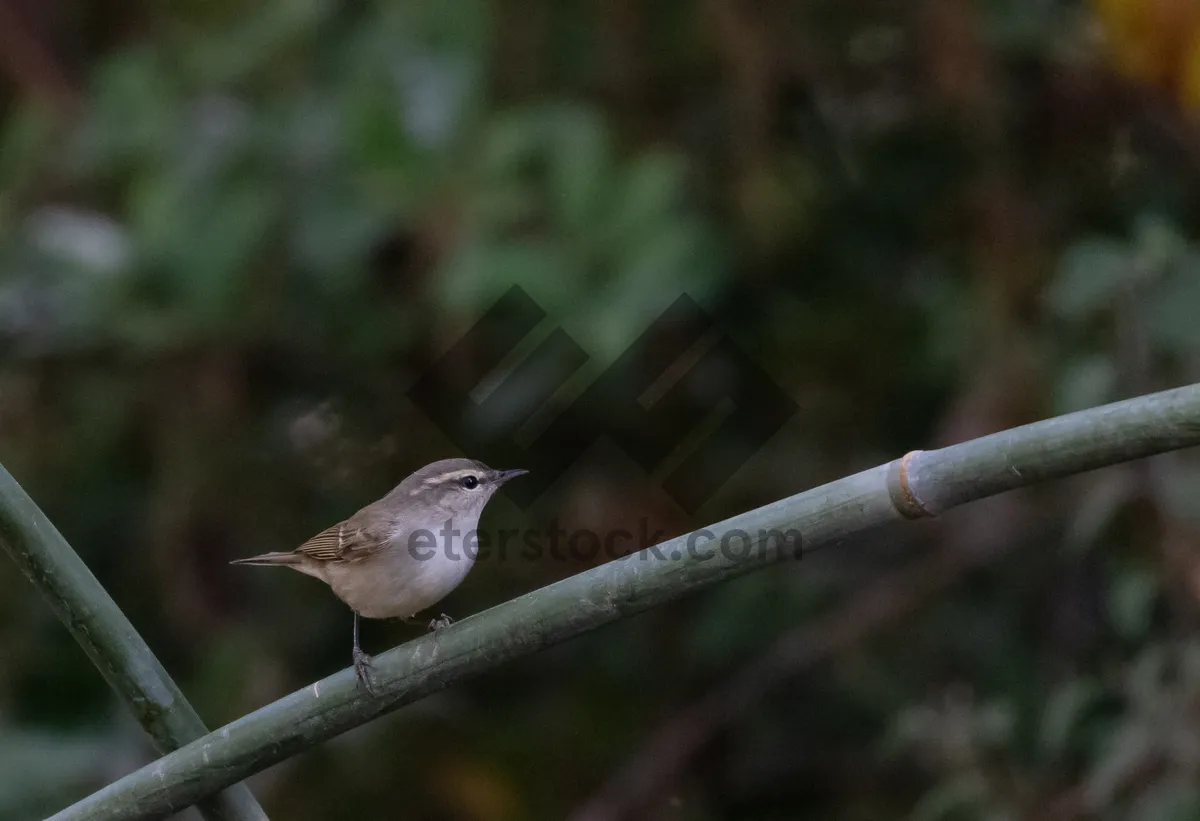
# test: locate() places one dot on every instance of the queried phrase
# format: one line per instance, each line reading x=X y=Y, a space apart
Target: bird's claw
x=440 y=622
x=362 y=670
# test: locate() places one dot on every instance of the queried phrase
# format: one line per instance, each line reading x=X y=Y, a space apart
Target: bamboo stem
x=108 y=638
x=920 y=484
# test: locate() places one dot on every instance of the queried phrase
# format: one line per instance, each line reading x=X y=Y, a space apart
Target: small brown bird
x=403 y=553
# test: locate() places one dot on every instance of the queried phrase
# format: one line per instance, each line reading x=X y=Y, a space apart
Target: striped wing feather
x=343 y=542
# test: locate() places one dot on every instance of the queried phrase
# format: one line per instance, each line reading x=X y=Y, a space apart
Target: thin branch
x=108 y=638
x=920 y=484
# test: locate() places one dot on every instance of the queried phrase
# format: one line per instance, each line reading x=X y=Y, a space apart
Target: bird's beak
x=502 y=476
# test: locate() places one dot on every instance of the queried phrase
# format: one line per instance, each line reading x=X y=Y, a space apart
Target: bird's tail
x=285 y=559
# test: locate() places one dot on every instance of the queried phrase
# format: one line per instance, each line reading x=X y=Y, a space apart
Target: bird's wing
x=344 y=542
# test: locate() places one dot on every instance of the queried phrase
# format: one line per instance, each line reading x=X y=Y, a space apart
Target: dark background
x=233 y=236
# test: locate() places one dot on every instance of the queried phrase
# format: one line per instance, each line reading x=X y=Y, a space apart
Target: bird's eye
x=469 y=482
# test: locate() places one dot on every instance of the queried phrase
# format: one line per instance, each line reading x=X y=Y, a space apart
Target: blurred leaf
x=1172 y=308
x=1144 y=682
x=1181 y=494
x=510 y=140
x=994 y=724
x=1125 y=754
x=434 y=88
x=729 y=618
x=131 y=119
x=1159 y=245
x=479 y=273
x=332 y=233
x=26 y=140
x=1085 y=383
x=377 y=141
x=259 y=41
x=43 y=772
x=1167 y=802
x=1100 y=506
x=89 y=243
x=1065 y=710
x=1131 y=602
x=958 y=798
x=651 y=189
x=1090 y=278
x=581 y=166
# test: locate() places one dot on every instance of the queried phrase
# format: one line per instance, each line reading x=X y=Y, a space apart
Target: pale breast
x=401 y=582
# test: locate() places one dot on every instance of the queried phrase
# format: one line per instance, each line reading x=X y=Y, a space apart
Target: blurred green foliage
x=231 y=237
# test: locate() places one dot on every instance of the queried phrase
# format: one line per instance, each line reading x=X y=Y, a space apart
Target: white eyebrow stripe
x=450 y=477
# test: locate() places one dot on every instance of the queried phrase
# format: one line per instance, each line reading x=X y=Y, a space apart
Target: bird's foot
x=440 y=622
x=362 y=670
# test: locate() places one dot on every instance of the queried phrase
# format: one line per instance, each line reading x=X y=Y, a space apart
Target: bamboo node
x=901 y=491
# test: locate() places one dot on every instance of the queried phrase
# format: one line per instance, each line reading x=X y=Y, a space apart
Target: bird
x=403 y=553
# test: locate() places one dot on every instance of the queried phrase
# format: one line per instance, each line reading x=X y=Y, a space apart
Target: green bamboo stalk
x=108 y=638
x=920 y=484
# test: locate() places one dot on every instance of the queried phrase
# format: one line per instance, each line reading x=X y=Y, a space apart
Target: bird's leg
x=362 y=662
x=441 y=621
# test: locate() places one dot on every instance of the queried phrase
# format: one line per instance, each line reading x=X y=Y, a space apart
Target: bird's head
x=456 y=488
